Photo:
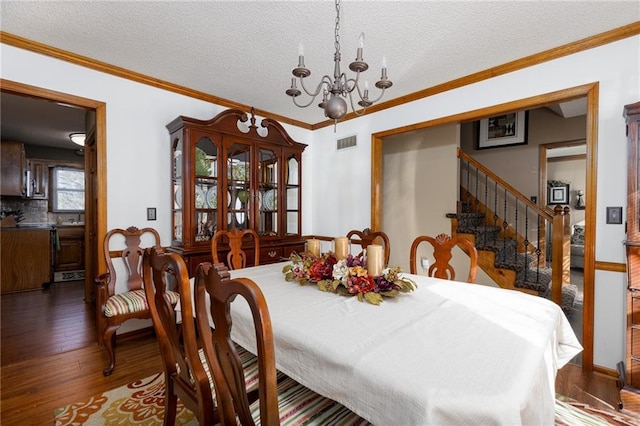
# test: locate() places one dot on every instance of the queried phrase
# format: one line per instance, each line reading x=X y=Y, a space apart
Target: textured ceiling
x=244 y=51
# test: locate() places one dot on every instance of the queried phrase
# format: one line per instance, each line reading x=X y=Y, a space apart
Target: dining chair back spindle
x=443 y=245
x=186 y=372
x=367 y=237
x=236 y=256
x=280 y=401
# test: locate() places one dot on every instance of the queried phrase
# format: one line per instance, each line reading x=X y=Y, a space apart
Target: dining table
x=447 y=353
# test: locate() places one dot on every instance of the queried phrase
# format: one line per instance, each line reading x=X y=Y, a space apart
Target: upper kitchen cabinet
x=39 y=178
x=13 y=169
x=229 y=173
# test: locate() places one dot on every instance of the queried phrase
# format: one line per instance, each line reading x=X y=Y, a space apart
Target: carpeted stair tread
x=487 y=237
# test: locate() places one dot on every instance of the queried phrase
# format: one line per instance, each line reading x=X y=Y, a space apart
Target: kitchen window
x=67 y=189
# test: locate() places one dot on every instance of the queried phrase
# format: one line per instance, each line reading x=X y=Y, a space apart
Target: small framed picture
x=503 y=130
x=151 y=213
x=614 y=215
x=558 y=194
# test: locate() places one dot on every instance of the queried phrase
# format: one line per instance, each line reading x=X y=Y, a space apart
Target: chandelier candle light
x=334 y=91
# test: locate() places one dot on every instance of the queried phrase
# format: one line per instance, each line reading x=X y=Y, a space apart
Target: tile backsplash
x=36 y=211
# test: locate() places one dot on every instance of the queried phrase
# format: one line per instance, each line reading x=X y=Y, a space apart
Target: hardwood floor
x=50 y=358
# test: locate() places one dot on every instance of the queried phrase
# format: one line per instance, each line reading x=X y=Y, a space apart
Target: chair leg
x=109 y=341
x=170 y=402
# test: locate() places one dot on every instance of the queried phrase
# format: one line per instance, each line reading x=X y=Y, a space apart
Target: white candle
x=313 y=246
x=374 y=259
x=341 y=247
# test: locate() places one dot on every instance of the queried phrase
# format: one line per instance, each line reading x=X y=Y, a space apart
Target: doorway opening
x=587 y=91
x=95 y=173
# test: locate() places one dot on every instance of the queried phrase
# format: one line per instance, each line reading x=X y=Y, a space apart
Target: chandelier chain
x=337 y=33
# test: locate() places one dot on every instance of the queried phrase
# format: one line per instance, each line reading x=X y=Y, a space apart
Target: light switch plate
x=614 y=215
x=151 y=213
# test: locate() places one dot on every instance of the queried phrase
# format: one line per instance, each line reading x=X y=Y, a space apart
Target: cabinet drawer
x=270 y=254
x=194 y=261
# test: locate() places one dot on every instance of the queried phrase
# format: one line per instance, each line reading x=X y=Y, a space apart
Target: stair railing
x=520 y=220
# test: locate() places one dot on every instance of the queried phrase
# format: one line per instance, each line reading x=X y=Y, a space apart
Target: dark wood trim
x=538 y=58
x=41 y=48
x=591 y=92
x=611 y=266
x=567 y=158
x=528 y=61
x=94 y=233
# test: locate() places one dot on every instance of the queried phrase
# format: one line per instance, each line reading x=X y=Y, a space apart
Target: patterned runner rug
x=142 y=403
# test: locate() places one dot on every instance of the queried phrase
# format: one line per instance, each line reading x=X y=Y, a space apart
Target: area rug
x=142 y=403
x=138 y=403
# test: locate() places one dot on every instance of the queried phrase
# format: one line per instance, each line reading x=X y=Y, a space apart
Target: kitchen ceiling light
x=78 y=138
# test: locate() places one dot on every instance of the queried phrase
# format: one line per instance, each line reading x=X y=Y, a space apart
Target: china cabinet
x=632 y=243
x=228 y=172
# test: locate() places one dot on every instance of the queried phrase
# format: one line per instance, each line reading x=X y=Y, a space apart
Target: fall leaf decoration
x=348 y=277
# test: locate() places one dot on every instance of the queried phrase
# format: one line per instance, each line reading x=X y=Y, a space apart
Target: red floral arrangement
x=347 y=276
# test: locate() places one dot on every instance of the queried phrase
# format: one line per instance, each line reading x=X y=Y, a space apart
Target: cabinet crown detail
x=228 y=172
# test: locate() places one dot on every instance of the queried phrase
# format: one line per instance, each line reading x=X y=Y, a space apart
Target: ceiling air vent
x=347 y=142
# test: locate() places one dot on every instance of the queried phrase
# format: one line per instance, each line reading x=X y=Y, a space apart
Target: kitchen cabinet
x=39 y=178
x=224 y=177
x=12 y=160
x=26 y=258
x=69 y=252
x=632 y=243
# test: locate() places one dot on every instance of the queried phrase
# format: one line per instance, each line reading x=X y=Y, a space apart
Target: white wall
x=337 y=194
x=615 y=67
x=138 y=145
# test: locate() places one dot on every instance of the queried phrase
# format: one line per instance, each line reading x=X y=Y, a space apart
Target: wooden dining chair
x=120 y=296
x=367 y=237
x=185 y=370
x=442 y=247
x=236 y=257
x=280 y=402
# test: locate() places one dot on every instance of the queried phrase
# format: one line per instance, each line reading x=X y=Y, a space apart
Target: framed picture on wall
x=558 y=194
x=503 y=130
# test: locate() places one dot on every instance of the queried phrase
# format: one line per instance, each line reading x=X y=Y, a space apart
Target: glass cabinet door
x=176 y=191
x=292 y=191
x=267 y=192
x=238 y=194
x=205 y=191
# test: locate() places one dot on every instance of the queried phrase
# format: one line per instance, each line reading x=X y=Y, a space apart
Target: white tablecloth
x=448 y=353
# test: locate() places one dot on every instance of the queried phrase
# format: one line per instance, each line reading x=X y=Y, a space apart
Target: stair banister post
x=557 y=254
x=566 y=246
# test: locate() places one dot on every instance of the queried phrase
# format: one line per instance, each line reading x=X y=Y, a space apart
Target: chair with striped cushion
x=279 y=402
x=185 y=369
x=120 y=295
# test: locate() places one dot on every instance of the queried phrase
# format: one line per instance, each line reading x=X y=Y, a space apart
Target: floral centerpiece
x=347 y=276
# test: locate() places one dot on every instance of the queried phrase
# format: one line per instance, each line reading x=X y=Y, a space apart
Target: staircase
x=509 y=234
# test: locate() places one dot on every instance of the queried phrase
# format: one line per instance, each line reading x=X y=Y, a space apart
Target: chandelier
x=335 y=90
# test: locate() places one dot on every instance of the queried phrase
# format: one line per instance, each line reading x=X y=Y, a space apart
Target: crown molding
x=607 y=37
